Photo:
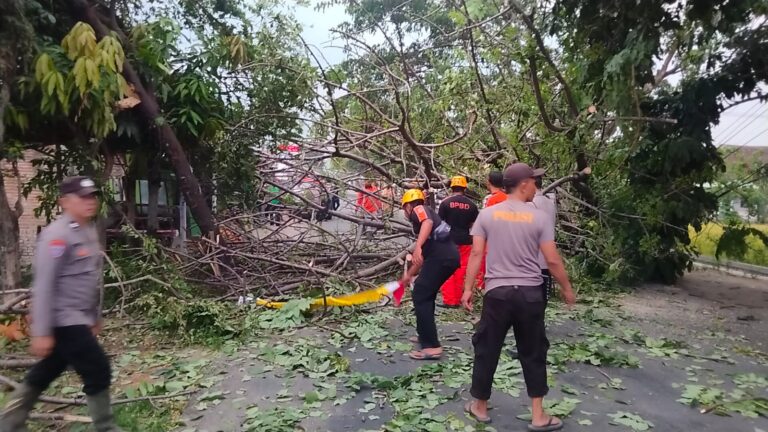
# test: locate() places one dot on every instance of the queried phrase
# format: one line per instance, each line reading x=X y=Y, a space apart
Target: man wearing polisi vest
x=460 y=213
x=66 y=310
x=514 y=233
x=435 y=258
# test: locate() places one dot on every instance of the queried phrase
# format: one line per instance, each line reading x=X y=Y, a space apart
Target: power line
x=743 y=125
x=746 y=116
x=755 y=137
x=742 y=128
x=735 y=149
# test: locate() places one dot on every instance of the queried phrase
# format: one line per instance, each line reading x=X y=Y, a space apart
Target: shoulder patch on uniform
x=421 y=214
x=56 y=248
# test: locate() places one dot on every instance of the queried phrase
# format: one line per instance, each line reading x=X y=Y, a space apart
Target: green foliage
x=305 y=358
x=598 y=350
x=278 y=419
x=712 y=399
x=413 y=398
x=194 y=320
x=289 y=316
x=560 y=408
x=632 y=421
x=81 y=78
x=145 y=416
x=734 y=241
x=741 y=244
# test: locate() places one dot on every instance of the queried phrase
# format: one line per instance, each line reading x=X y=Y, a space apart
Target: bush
x=707 y=240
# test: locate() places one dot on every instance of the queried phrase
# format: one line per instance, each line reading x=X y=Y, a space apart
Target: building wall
x=28 y=223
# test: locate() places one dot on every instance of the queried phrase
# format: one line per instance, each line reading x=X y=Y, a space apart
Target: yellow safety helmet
x=459 y=181
x=412 y=195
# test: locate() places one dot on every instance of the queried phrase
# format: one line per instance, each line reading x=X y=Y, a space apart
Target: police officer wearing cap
x=514 y=233
x=66 y=310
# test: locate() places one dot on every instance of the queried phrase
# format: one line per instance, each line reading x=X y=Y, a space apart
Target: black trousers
x=437 y=268
x=77 y=347
x=521 y=308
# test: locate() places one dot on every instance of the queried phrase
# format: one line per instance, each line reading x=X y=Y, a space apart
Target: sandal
x=468 y=410
x=549 y=427
x=421 y=355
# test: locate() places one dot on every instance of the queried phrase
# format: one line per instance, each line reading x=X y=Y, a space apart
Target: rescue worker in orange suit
x=460 y=213
x=435 y=258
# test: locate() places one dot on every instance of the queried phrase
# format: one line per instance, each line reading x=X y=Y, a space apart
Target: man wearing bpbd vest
x=460 y=213
x=514 y=233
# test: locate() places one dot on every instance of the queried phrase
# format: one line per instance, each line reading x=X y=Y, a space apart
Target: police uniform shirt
x=66 y=290
x=514 y=232
x=545 y=203
x=460 y=213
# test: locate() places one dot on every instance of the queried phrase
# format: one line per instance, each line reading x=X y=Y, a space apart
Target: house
x=136 y=209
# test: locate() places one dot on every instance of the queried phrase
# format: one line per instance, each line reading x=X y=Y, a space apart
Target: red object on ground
x=454 y=286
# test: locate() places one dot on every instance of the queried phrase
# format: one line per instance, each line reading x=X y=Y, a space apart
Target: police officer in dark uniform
x=66 y=310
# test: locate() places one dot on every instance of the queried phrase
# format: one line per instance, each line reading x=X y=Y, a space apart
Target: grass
x=706 y=243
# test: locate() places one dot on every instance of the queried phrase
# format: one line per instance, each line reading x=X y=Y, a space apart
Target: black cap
x=79 y=185
x=518 y=172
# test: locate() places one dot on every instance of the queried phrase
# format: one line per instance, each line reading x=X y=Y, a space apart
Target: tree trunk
x=10 y=251
x=149 y=110
x=153 y=222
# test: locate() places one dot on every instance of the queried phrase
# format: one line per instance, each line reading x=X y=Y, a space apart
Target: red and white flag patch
x=421 y=214
x=56 y=248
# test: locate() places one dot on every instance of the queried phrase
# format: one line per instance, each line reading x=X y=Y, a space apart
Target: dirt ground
x=720 y=319
x=705 y=300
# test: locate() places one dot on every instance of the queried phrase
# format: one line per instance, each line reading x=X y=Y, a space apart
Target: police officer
x=514 y=232
x=460 y=213
x=66 y=310
x=435 y=258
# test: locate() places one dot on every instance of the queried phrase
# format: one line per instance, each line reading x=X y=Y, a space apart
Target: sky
x=742 y=125
x=317 y=30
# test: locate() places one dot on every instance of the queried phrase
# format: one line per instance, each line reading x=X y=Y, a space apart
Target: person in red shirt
x=367 y=202
x=496 y=188
x=460 y=213
x=369 y=205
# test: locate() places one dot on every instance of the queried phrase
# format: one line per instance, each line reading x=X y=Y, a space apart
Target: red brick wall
x=28 y=223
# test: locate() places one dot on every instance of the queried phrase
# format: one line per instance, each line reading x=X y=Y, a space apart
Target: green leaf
x=81 y=75
x=633 y=421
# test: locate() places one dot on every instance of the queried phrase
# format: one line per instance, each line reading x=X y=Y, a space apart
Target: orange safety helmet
x=459 y=181
x=412 y=195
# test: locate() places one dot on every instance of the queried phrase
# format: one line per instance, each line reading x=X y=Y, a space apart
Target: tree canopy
x=428 y=89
